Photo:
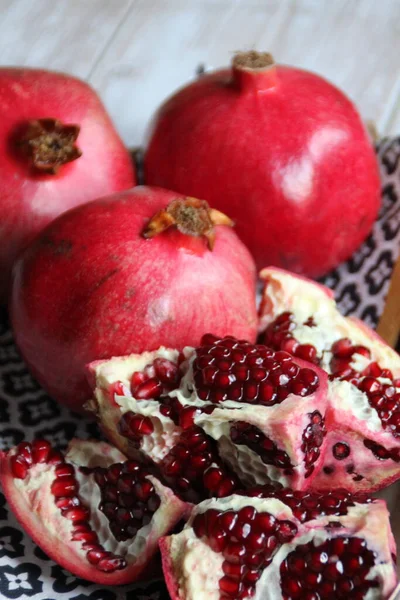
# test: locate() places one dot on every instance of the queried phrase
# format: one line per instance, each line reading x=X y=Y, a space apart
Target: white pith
x=189 y=554
x=345 y=396
x=287 y=292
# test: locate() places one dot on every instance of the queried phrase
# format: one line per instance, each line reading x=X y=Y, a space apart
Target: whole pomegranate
x=58 y=149
x=127 y=273
x=279 y=149
x=270 y=547
x=93 y=511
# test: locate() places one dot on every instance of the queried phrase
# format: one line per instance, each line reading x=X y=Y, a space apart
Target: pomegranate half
x=280 y=150
x=59 y=149
x=255 y=546
x=91 y=510
x=123 y=274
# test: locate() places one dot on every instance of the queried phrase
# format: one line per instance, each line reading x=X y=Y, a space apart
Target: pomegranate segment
x=155 y=428
x=269 y=418
x=363 y=415
x=261 y=412
x=342 y=346
x=243 y=547
x=93 y=511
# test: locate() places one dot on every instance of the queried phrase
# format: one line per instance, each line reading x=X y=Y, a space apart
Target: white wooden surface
x=137 y=52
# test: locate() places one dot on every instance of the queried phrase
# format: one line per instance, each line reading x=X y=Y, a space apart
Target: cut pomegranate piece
x=269 y=414
x=210 y=415
x=243 y=547
x=157 y=429
x=363 y=415
x=93 y=511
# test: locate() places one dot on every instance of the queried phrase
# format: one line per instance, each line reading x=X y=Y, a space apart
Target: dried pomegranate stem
x=49 y=144
x=253 y=60
x=190 y=216
x=254 y=71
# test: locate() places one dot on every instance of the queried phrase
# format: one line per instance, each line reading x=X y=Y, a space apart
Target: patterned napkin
x=26 y=412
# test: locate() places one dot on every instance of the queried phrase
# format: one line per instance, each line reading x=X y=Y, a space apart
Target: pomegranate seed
x=89 y=537
x=341 y=450
x=307 y=352
x=40 y=451
x=66 y=486
x=342 y=348
x=80 y=513
x=149 y=389
x=95 y=554
x=19 y=466
x=166 y=371
x=64 y=470
x=111 y=563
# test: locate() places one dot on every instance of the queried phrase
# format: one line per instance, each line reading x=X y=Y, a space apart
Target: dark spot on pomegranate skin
x=338 y=568
x=247 y=539
x=57 y=247
x=105 y=278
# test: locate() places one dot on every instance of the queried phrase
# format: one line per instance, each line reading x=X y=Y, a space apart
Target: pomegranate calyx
x=49 y=144
x=253 y=60
x=191 y=217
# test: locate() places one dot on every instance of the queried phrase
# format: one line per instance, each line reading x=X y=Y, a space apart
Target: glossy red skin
x=91 y=287
x=283 y=152
x=29 y=200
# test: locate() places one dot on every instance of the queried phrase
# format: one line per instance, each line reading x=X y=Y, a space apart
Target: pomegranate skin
x=29 y=198
x=91 y=287
x=279 y=149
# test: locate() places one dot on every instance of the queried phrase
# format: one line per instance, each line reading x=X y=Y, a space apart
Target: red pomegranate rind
x=359 y=545
x=53 y=500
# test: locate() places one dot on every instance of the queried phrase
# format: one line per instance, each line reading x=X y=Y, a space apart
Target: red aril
x=123 y=274
x=91 y=510
x=59 y=149
x=363 y=415
x=253 y=546
x=280 y=150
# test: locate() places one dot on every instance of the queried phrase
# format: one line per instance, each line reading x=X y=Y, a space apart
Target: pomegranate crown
x=49 y=144
x=191 y=217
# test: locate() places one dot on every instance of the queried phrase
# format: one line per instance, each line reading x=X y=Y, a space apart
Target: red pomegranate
x=58 y=149
x=280 y=150
x=127 y=273
x=268 y=546
x=93 y=511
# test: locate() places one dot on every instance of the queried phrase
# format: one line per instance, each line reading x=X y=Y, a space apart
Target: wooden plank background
x=137 y=52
